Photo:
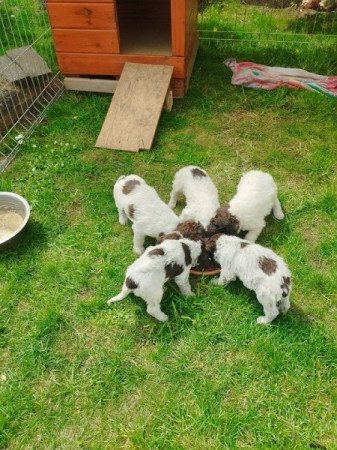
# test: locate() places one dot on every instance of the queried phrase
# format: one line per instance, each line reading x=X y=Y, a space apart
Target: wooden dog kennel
x=97 y=37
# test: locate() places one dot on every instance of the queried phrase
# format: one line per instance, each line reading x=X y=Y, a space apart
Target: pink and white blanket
x=258 y=76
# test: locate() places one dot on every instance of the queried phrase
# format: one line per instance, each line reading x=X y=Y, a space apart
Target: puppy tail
x=124 y=292
x=277 y=210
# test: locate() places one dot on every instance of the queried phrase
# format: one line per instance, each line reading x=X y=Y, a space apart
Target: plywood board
x=29 y=61
x=133 y=116
x=90 y=85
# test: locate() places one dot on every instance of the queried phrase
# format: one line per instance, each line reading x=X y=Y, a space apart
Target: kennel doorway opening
x=144 y=27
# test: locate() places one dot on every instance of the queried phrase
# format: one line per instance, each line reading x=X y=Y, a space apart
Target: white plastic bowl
x=11 y=202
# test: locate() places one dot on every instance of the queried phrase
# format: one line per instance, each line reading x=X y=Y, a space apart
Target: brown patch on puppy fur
x=267 y=265
x=187 y=251
x=175 y=235
x=210 y=244
x=198 y=173
x=130 y=283
x=244 y=244
x=223 y=222
x=191 y=230
x=129 y=186
x=157 y=252
x=131 y=211
x=285 y=286
x=173 y=270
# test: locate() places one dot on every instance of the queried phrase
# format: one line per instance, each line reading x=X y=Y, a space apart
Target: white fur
x=243 y=263
x=148 y=272
x=151 y=217
x=200 y=192
x=255 y=197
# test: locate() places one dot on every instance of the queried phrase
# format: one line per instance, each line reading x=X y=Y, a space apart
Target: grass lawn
x=77 y=373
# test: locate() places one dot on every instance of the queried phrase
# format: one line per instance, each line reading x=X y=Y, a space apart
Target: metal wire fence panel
x=29 y=79
x=277 y=32
x=235 y=25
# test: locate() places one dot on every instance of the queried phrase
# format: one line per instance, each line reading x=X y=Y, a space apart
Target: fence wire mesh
x=305 y=36
x=29 y=79
x=268 y=21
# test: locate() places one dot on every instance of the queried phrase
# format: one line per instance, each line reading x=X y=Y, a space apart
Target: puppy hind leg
x=277 y=210
x=138 y=241
x=153 y=306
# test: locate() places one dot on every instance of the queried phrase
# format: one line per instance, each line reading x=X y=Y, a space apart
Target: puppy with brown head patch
x=196 y=232
x=140 y=203
x=200 y=193
x=172 y=259
x=259 y=268
x=255 y=198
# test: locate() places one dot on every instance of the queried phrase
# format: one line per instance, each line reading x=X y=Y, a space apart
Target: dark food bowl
x=14 y=216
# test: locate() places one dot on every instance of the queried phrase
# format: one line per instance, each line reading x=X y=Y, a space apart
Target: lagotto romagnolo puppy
x=259 y=268
x=148 y=274
x=255 y=197
x=139 y=202
x=200 y=192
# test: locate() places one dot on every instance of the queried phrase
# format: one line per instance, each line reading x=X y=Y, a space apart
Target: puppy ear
x=210 y=244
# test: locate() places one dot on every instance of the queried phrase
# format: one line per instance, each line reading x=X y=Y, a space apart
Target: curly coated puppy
x=259 y=268
x=200 y=192
x=139 y=202
x=148 y=274
x=255 y=197
x=196 y=232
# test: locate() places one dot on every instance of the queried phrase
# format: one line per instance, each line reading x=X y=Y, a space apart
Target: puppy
x=139 y=202
x=148 y=274
x=255 y=197
x=196 y=232
x=200 y=192
x=259 y=268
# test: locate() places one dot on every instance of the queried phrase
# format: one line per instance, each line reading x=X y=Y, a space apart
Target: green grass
x=76 y=373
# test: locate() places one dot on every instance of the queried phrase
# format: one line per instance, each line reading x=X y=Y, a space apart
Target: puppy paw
x=123 y=221
x=216 y=281
x=190 y=294
x=109 y=302
x=138 y=250
x=263 y=320
x=162 y=317
x=279 y=216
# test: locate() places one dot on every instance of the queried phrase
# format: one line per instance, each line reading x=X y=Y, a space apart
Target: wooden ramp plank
x=135 y=109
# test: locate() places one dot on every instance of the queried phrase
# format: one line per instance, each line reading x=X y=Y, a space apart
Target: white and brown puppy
x=255 y=198
x=148 y=274
x=259 y=268
x=139 y=202
x=201 y=195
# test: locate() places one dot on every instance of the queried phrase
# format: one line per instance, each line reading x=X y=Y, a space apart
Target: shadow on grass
x=32 y=241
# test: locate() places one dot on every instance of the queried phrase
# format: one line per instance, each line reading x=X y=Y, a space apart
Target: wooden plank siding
x=109 y=64
x=85 y=15
x=178 y=23
x=86 y=41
